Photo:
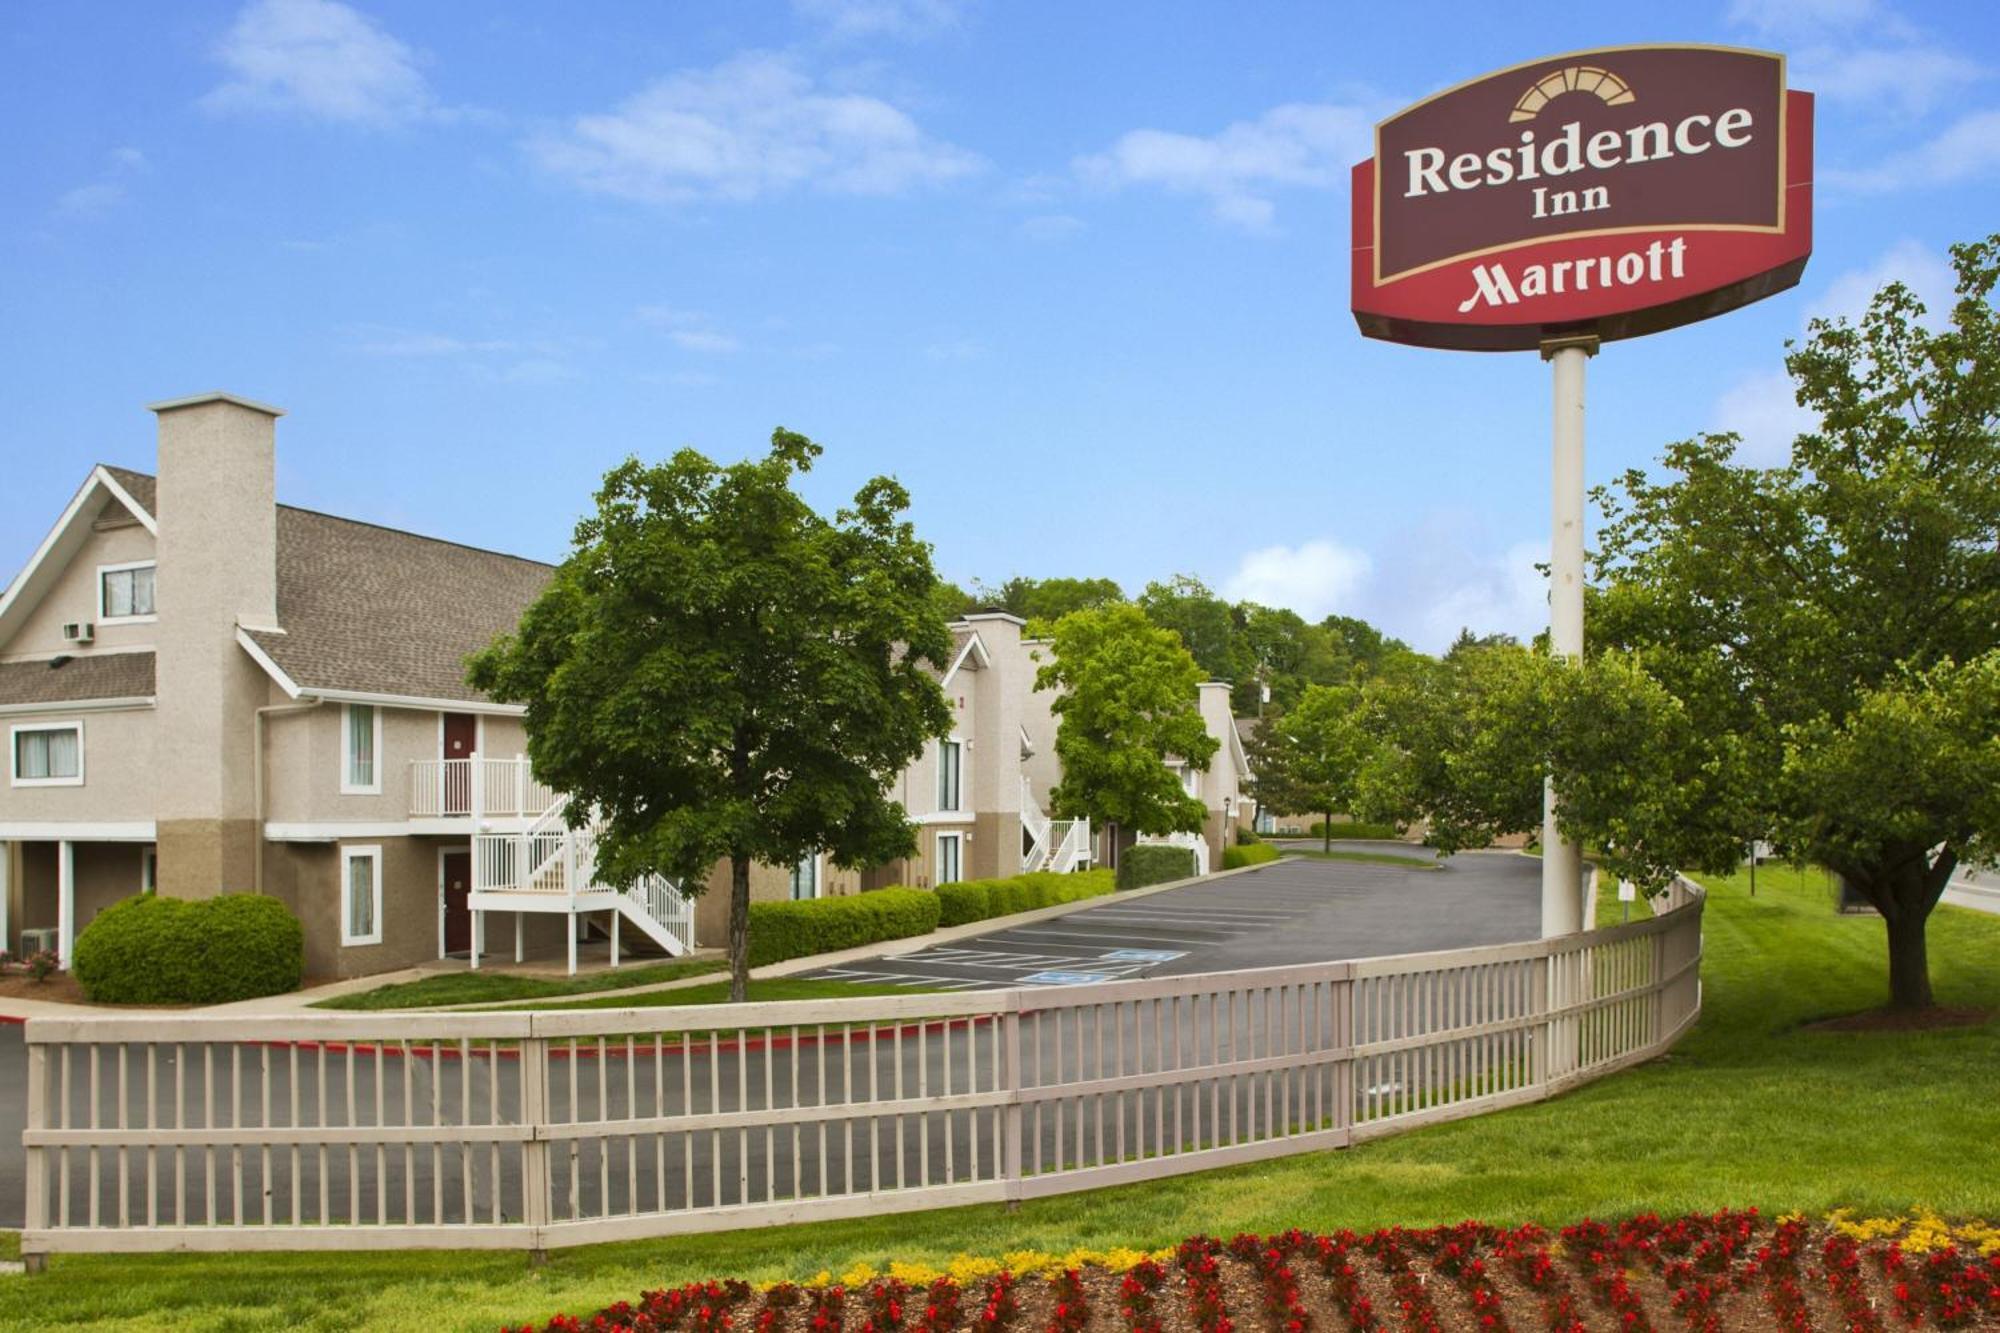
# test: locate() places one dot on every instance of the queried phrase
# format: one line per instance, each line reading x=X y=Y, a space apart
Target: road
x=1290 y=912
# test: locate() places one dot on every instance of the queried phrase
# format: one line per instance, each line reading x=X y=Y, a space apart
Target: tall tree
x=718 y=671
x=1049 y=600
x=1209 y=627
x=1829 y=623
x=1129 y=701
x=1328 y=744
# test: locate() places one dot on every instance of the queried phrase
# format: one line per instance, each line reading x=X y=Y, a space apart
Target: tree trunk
x=1326 y=834
x=739 y=929
x=1904 y=891
x=1909 y=961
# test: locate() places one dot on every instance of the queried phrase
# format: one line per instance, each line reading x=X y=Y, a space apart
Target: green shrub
x=983 y=899
x=781 y=930
x=1235 y=858
x=1152 y=863
x=1245 y=835
x=153 y=950
x=1373 y=832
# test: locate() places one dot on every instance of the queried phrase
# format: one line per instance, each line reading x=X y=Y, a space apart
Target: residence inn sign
x=1604 y=193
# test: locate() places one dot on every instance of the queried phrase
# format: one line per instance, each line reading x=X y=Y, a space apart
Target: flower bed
x=1705 y=1273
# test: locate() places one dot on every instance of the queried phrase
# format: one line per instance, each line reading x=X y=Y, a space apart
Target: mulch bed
x=1904 y=1020
x=59 y=988
x=1729 y=1272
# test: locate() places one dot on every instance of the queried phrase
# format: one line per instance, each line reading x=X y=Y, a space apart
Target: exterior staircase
x=551 y=867
x=1060 y=845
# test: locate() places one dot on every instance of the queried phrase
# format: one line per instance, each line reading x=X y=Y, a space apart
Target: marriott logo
x=1493 y=284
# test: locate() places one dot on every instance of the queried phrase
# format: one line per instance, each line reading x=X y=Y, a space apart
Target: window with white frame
x=950 y=764
x=361 y=750
x=125 y=592
x=47 y=754
x=360 y=895
x=805 y=879
x=950 y=858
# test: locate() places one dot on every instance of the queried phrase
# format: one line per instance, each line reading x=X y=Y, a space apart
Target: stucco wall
x=105 y=873
x=73 y=596
x=118 y=773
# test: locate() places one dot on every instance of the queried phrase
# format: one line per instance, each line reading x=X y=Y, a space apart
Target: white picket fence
x=536 y=1130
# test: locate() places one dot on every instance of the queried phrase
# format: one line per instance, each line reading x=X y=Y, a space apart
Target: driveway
x=1296 y=911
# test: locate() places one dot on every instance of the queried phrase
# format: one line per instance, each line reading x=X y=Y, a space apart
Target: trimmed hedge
x=781 y=930
x=1373 y=832
x=154 y=950
x=1146 y=863
x=983 y=899
x=1245 y=835
x=1254 y=854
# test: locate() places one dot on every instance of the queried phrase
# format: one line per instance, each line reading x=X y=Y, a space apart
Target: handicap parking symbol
x=1144 y=955
x=1067 y=978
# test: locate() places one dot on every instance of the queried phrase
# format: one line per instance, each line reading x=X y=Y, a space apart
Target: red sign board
x=1615 y=192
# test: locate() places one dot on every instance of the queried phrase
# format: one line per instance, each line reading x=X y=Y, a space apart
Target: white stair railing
x=1038 y=827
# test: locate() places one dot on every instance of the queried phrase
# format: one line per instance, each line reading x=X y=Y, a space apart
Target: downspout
x=257 y=774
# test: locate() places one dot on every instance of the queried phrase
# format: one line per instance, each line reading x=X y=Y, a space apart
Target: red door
x=461 y=738
x=457 y=914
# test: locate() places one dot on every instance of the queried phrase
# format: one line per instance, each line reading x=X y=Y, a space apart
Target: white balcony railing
x=506 y=788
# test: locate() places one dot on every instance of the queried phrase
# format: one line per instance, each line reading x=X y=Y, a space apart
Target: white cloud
x=1861 y=52
x=407 y=343
x=751 y=126
x=1785 y=18
x=1443 y=575
x=319 y=59
x=1763 y=408
x=670 y=317
x=892 y=18
x=1301 y=145
x=956 y=349
x=103 y=195
x=703 y=340
x=1910 y=262
x=1315 y=578
x=1968 y=148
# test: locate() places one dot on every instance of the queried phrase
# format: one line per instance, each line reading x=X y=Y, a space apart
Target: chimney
x=218 y=569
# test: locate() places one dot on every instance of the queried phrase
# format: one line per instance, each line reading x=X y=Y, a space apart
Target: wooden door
x=461 y=738
x=457 y=912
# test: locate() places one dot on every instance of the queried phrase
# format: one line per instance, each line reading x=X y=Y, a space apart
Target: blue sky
x=1074 y=273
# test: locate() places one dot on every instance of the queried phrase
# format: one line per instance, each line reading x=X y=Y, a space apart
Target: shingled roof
x=76 y=679
x=374 y=610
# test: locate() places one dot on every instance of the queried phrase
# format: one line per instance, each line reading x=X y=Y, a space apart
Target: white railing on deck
x=503 y=788
x=1070 y=840
x=535 y=1130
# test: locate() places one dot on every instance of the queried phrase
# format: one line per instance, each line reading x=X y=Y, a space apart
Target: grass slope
x=500 y=987
x=1748 y=1110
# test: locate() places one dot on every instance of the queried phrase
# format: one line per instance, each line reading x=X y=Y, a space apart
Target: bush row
x=983 y=899
x=781 y=930
x=1252 y=854
x=155 y=950
x=1373 y=832
x=1152 y=863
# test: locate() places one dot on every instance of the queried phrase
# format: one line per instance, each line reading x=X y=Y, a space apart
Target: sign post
x=1571 y=201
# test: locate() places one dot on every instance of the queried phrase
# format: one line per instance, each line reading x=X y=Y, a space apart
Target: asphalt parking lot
x=1298 y=911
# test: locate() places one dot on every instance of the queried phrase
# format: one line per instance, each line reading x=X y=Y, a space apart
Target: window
x=149 y=869
x=48 y=755
x=805 y=878
x=360 y=895
x=950 y=862
x=949 y=753
x=1190 y=780
x=125 y=592
x=360 y=747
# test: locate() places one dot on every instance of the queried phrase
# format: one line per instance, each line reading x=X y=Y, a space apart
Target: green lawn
x=1749 y=1110
x=499 y=987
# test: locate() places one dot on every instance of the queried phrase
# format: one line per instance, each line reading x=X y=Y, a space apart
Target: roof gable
x=101 y=488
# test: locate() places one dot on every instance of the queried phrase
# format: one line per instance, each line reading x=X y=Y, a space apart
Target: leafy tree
x=953 y=601
x=1829 y=625
x=1208 y=626
x=1049 y=600
x=718 y=671
x=1129 y=701
x=1327 y=743
x=1370 y=651
x=1460 y=745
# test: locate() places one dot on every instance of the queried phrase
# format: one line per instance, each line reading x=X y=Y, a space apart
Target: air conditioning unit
x=35 y=941
x=78 y=631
